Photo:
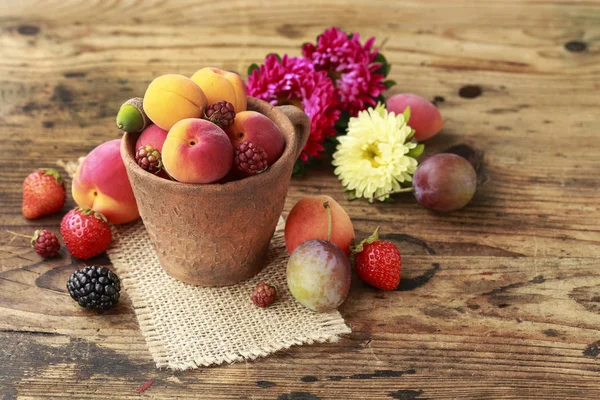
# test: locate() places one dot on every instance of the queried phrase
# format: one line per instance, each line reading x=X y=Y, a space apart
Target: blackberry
x=94 y=287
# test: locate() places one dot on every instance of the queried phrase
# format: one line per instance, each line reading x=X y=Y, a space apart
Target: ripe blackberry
x=94 y=287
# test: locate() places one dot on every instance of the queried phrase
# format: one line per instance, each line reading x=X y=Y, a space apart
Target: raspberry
x=149 y=159
x=250 y=159
x=221 y=113
x=45 y=243
x=264 y=295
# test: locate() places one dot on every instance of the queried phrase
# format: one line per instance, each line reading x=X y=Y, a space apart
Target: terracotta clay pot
x=217 y=234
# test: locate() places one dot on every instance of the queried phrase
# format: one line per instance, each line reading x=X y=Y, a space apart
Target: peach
x=152 y=135
x=258 y=129
x=197 y=151
x=425 y=118
x=101 y=184
x=222 y=85
x=171 y=98
x=308 y=220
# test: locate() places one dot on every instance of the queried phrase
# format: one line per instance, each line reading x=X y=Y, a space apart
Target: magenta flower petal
x=293 y=80
x=351 y=65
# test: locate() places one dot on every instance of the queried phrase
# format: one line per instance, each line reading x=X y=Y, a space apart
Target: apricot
x=308 y=220
x=222 y=85
x=258 y=129
x=197 y=151
x=101 y=183
x=171 y=98
x=425 y=118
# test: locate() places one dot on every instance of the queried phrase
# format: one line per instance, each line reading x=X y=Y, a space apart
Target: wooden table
x=500 y=300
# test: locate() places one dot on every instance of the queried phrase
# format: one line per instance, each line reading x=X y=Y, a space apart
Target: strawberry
x=86 y=232
x=43 y=193
x=378 y=262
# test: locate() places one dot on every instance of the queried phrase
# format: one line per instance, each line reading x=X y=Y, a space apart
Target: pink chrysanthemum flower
x=350 y=65
x=293 y=80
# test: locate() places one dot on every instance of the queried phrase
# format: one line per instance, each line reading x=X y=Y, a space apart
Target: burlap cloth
x=187 y=326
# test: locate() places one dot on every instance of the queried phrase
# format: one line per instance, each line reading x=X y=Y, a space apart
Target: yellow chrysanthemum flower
x=374 y=157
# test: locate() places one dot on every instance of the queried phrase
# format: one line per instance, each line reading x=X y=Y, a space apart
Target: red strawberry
x=43 y=193
x=86 y=232
x=378 y=262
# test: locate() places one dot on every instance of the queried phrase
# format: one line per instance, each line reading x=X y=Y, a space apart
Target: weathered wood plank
x=499 y=300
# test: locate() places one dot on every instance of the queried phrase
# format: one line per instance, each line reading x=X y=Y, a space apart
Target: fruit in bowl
x=171 y=98
x=205 y=234
x=219 y=85
x=197 y=151
x=254 y=127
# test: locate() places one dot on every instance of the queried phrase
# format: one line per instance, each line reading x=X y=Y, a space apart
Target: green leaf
x=330 y=144
x=386 y=69
x=252 y=67
x=417 y=151
x=389 y=200
x=350 y=36
x=341 y=125
x=299 y=168
x=380 y=58
x=385 y=66
x=380 y=99
x=410 y=135
x=389 y=83
x=406 y=114
x=351 y=195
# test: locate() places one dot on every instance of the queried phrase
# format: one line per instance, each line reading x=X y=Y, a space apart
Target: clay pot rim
x=240 y=185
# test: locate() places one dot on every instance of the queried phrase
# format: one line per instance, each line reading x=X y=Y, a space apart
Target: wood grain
x=500 y=300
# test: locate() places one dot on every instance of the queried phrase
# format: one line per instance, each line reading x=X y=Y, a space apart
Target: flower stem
x=326 y=205
x=404 y=190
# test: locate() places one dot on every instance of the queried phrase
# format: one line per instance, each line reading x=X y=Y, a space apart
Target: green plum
x=318 y=275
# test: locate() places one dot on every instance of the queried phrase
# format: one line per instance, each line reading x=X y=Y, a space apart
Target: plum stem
x=326 y=205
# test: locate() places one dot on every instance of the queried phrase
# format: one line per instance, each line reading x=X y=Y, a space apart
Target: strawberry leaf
x=54 y=173
x=359 y=247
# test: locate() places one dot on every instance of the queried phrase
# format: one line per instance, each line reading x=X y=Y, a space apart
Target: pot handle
x=301 y=124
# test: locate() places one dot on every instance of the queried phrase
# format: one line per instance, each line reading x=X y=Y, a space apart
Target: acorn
x=131 y=116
